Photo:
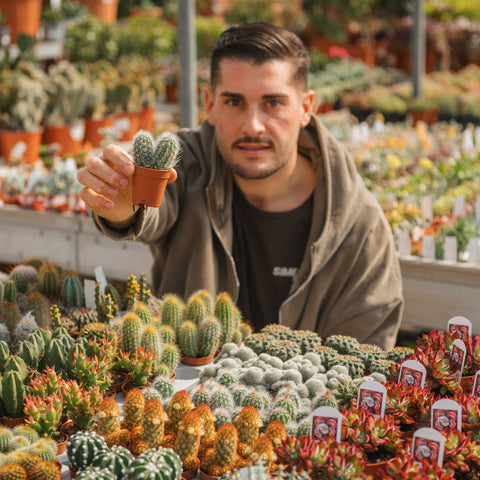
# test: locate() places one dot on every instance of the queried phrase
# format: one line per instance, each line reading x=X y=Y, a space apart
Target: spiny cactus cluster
x=159 y=154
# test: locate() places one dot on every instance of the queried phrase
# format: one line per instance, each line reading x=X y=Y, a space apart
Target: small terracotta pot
x=12 y=422
x=150 y=12
x=147 y=119
x=206 y=476
x=467 y=383
x=20 y=147
x=122 y=378
x=62 y=445
x=22 y=16
x=189 y=474
x=68 y=137
x=128 y=124
x=197 y=361
x=371 y=468
x=148 y=186
x=73 y=473
x=106 y=10
x=92 y=135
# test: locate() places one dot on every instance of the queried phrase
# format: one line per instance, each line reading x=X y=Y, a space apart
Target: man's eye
x=274 y=103
x=233 y=102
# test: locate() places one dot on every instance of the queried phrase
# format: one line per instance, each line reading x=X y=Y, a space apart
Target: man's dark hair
x=259 y=42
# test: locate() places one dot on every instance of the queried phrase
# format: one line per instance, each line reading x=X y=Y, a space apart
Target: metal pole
x=419 y=42
x=187 y=50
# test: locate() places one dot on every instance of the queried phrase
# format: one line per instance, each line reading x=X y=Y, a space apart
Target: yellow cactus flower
x=393 y=161
x=425 y=162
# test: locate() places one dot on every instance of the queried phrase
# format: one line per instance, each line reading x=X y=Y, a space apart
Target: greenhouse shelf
x=434 y=290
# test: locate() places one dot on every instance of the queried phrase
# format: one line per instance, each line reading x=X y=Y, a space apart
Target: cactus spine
x=172 y=311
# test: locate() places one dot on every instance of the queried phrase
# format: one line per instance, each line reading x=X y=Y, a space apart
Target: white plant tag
x=450 y=249
x=459 y=209
x=89 y=289
x=476 y=385
x=77 y=132
x=462 y=325
x=18 y=150
x=428 y=444
x=428 y=246
x=101 y=278
x=326 y=423
x=33 y=178
x=446 y=416
x=427 y=209
x=355 y=134
x=372 y=397
x=473 y=250
x=122 y=124
x=412 y=372
x=457 y=358
x=467 y=141
x=404 y=245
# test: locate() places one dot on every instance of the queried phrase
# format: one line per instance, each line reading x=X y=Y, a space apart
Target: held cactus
x=187 y=443
x=72 y=291
x=153 y=422
x=161 y=154
x=82 y=449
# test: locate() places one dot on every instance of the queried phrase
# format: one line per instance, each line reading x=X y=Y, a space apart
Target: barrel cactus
x=82 y=449
x=117 y=460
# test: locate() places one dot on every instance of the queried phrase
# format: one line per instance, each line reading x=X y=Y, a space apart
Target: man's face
x=257 y=112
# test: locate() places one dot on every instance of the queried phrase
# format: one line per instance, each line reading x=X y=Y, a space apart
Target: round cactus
x=13 y=471
x=82 y=447
x=156 y=464
x=355 y=365
x=368 y=353
x=342 y=343
x=398 y=354
x=46 y=448
x=221 y=398
x=5 y=436
x=164 y=386
x=283 y=349
x=253 y=376
x=23 y=275
x=95 y=473
x=26 y=431
x=117 y=460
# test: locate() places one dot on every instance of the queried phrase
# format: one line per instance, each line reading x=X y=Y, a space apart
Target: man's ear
x=208 y=95
x=308 y=99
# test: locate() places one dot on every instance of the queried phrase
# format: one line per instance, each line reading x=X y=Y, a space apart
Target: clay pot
x=197 y=361
x=147 y=119
x=128 y=124
x=189 y=474
x=467 y=383
x=106 y=10
x=150 y=12
x=73 y=473
x=206 y=476
x=91 y=130
x=62 y=444
x=20 y=147
x=148 y=186
x=11 y=422
x=22 y=16
x=68 y=137
x=371 y=468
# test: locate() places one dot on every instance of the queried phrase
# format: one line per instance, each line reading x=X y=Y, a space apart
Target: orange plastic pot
x=198 y=360
x=128 y=124
x=147 y=119
x=22 y=16
x=69 y=138
x=92 y=135
x=20 y=147
x=148 y=186
x=105 y=10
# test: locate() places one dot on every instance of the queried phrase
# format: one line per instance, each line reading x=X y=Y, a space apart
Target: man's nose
x=253 y=123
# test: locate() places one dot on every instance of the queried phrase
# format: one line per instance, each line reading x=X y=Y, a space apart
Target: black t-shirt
x=268 y=248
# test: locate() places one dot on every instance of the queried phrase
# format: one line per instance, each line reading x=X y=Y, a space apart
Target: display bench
x=434 y=291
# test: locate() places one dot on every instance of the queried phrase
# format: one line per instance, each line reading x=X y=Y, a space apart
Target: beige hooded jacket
x=349 y=281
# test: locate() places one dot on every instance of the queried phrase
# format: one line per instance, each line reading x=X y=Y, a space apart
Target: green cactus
x=10 y=291
x=142 y=310
x=145 y=294
x=196 y=309
x=207 y=299
x=154 y=418
x=368 y=353
x=26 y=431
x=40 y=308
x=188 y=339
x=15 y=363
x=237 y=337
x=345 y=393
x=49 y=279
x=382 y=366
x=344 y=344
x=34 y=261
x=172 y=311
x=221 y=397
x=164 y=386
x=5 y=436
x=133 y=408
x=82 y=448
x=228 y=315
x=113 y=292
x=116 y=460
x=83 y=316
x=167 y=334
x=13 y=394
x=46 y=448
x=399 y=354
x=4 y=354
x=142 y=149
x=28 y=351
x=151 y=341
x=72 y=291
x=171 y=356
x=209 y=333
x=131 y=331
x=10 y=315
x=156 y=464
x=355 y=365
x=18 y=442
x=56 y=353
x=5 y=334
x=167 y=149
x=283 y=349
x=96 y=473
x=23 y=276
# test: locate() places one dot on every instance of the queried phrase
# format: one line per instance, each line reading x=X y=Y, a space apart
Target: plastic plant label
x=446 y=416
x=326 y=423
x=77 y=132
x=428 y=444
x=372 y=397
x=450 y=249
x=89 y=290
x=428 y=246
x=33 y=178
x=462 y=325
x=459 y=206
x=457 y=358
x=427 y=209
x=404 y=246
x=473 y=251
x=18 y=150
x=476 y=385
x=122 y=124
x=101 y=278
x=412 y=372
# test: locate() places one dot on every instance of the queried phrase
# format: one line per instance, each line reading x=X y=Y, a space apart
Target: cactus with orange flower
x=208 y=419
x=108 y=416
x=276 y=432
x=120 y=437
x=187 y=442
x=178 y=405
x=153 y=422
x=248 y=425
x=262 y=450
x=223 y=456
x=133 y=408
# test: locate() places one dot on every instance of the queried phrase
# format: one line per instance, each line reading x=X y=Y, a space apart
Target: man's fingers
x=92 y=181
x=119 y=158
x=94 y=201
x=99 y=168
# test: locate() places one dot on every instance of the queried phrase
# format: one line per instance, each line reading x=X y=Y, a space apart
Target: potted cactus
x=23 y=100
x=67 y=90
x=153 y=163
x=105 y=10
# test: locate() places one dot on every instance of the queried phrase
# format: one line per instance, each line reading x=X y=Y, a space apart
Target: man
x=267 y=204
